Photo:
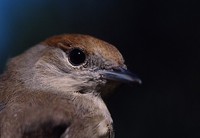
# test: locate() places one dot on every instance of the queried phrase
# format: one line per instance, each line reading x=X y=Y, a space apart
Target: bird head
x=74 y=62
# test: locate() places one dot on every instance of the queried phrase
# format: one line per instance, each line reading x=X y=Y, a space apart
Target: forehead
x=88 y=43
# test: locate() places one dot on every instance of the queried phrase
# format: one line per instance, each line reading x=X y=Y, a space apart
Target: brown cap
x=88 y=43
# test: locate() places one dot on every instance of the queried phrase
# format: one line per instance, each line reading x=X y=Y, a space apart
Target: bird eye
x=76 y=57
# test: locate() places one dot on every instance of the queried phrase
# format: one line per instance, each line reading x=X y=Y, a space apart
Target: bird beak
x=120 y=75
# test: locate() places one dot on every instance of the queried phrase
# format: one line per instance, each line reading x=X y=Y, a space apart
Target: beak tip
x=139 y=81
x=136 y=80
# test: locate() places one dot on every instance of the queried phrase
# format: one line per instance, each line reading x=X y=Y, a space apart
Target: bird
x=56 y=88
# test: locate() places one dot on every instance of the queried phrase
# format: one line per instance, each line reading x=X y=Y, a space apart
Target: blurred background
x=160 y=41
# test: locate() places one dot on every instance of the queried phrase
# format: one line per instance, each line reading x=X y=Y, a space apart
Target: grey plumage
x=42 y=94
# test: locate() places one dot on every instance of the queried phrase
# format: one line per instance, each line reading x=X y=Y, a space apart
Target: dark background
x=159 y=40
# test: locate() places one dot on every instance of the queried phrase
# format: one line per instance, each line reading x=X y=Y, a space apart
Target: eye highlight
x=76 y=57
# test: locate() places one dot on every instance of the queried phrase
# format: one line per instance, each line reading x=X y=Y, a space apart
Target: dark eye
x=77 y=57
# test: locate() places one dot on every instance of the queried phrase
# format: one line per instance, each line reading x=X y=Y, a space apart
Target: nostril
x=46 y=130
